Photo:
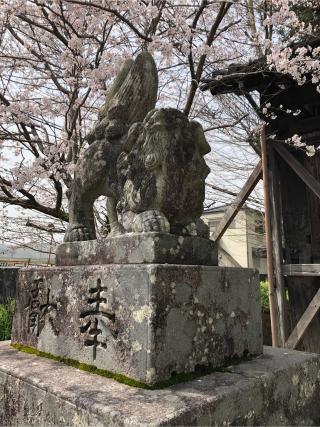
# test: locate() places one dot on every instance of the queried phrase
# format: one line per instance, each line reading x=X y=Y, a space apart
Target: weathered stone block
x=137 y=248
x=144 y=321
x=8 y=279
x=281 y=387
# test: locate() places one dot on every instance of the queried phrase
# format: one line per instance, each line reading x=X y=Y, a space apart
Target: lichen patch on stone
x=152 y=278
x=295 y=380
x=150 y=374
x=136 y=346
x=180 y=240
x=145 y=312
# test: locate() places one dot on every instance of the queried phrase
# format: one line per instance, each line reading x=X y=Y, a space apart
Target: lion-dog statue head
x=162 y=168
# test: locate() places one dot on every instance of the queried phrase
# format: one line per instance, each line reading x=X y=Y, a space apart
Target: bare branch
x=225 y=6
x=115 y=13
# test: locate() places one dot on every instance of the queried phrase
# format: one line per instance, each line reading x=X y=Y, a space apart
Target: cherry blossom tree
x=58 y=58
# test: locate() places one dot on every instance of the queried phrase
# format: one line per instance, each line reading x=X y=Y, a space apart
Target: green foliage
x=6 y=315
x=79 y=365
x=264 y=294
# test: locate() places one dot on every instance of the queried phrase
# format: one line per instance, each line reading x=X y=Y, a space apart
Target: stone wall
x=8 y=278
x=281 y=387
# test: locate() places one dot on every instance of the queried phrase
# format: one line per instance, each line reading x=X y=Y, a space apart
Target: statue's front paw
x=149 y=221
x=79 y=233
x=189 y=227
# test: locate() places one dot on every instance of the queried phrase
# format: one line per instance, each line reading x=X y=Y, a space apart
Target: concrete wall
x=233 y=245
x=8 y=278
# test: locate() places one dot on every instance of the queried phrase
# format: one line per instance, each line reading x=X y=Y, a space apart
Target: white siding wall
x=238 y=245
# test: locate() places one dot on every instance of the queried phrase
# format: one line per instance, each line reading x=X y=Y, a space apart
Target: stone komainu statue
x=148 y=162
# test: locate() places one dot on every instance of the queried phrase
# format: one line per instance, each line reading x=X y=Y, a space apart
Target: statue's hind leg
x=89 y=183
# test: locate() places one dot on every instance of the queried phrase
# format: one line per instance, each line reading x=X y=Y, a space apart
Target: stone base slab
x=139 y=248
x=281 y=387
x=147 y=322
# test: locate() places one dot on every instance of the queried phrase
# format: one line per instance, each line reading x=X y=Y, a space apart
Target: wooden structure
x=292 y=197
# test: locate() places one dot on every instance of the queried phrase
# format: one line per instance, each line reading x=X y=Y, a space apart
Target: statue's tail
x=134 y=92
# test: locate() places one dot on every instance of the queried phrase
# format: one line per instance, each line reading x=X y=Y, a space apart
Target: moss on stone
x=200 y=371
x=82 y=366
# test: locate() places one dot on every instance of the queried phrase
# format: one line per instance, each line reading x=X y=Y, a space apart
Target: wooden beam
x=300 y=170
x=304 y=322
x=276 y=229
x=301 y=269
x=269 y=243
x=238 y=202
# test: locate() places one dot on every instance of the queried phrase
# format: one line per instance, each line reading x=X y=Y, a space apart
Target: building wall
x=243 y=240
x=256 y=241
x=233 y=242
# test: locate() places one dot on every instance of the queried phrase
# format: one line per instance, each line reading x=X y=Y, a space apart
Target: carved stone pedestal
x=145 y=321
x=140 y=248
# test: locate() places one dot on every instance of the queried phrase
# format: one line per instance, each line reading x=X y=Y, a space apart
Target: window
x=259 y=227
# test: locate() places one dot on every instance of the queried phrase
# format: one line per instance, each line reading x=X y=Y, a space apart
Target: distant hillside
x=4 y=249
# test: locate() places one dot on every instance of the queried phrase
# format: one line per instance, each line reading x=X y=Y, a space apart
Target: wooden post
x=277 y=242
x=272 y=299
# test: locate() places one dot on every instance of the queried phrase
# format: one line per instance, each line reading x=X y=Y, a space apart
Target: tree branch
x=115 y=13
x=50 y=228
x=195 y=81
x=27 y=204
